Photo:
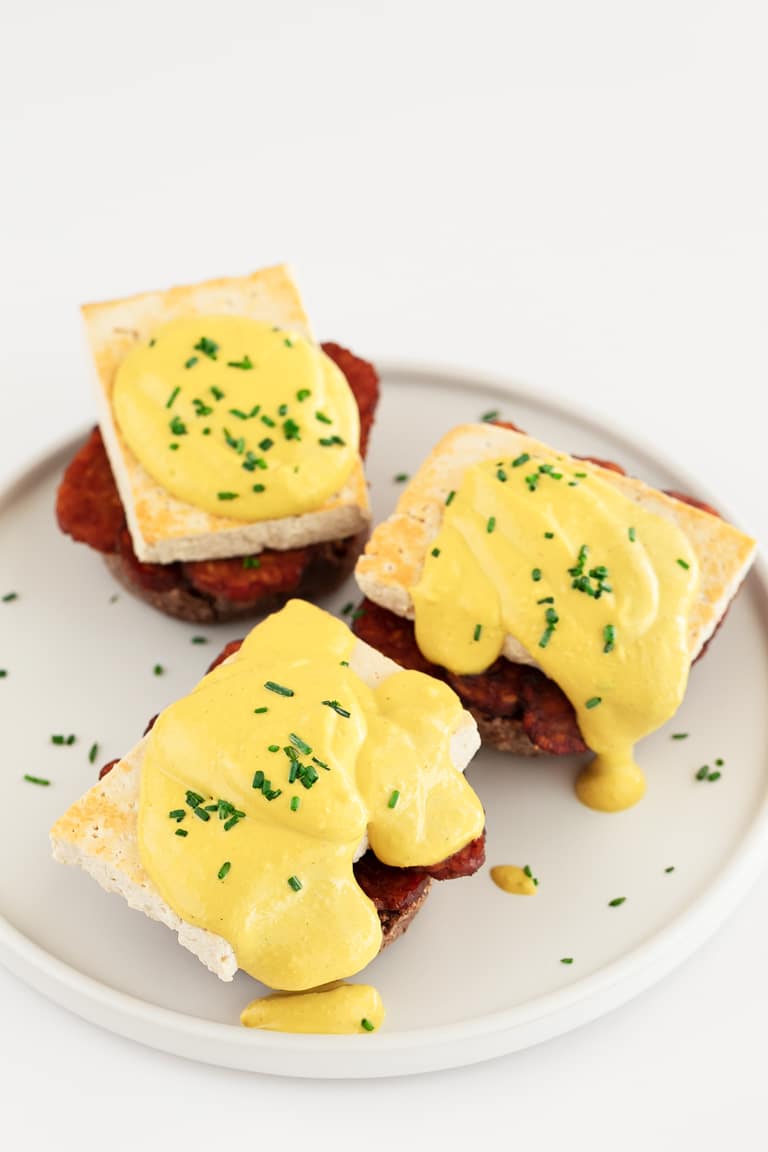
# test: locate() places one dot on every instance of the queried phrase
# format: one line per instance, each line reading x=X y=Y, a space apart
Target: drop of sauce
x=610 y=785
x=342 y=1009
x=514 y=880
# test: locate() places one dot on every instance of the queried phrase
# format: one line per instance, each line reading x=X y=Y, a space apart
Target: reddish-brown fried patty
x=88 y=508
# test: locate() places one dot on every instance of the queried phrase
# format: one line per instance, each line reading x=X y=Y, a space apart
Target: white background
x=574 y=194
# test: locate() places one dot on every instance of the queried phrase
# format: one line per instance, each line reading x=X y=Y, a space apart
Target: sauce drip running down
x=595 y=588
x=259 y=788
x=237 y=417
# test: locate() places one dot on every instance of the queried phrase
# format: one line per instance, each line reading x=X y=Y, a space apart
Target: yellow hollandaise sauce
x=259 y=787
x=596 y=588
x=238 y=417
x=346 y=1009
x=514 y=880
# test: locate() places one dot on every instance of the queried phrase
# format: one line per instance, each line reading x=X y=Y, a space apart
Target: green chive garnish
x=536 y=575
x=280 y=689
x=158 y=670
x=191 y=362
x=401 y=478
x=719 y=763
x=224 y=869
x=393 y=799
x=37 y=780
x=295 y=801
x=172 y=397
x=501 y=475
x=201 y=813
x=258 y=488
x=258 y=711
x=193 y=799
x=609 y=638
x=258 y=781
x=489 y=527
x=435 y=551
x=714 y=776
x=227 y=496
x=68 y=740
x=180 y=832
x=523 y=458
x=93 y=753
x=321 y=416
x=594 y=701
x=488 y=417
x=272 y=748
x=670 y=869
x=303 y=394
x=295 y=883
x=245 y=363
x=632 y=535
x=207 y=347
x=321 y=763
x=365 y=1023
x=251 y=562
x=3 y=673
x=703 y=772
x=567 y=960
x=337 y=708
x=615 y=903
x=10 y=597
x=177 y=814
x=546 y=600
x=549 y=535
x=449 y=497
x=477 y=632
x=683 y=563
x=297 y=742
x=199 y=640
x=680 y=735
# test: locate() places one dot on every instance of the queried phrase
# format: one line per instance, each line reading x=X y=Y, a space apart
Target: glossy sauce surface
x=596 y=588
x=344 y=1010
x=514 y=880
x=237 y=417
x=275 y=767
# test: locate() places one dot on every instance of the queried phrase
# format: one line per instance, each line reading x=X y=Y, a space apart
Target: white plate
x=479 y=973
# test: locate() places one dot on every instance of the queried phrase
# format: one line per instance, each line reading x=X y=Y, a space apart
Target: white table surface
x=572 y=194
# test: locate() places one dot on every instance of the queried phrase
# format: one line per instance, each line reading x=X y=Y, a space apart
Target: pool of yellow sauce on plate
x=514 y=880
x=595 y=587
x=348 y=1008
x=258 y=788
x=237 y=417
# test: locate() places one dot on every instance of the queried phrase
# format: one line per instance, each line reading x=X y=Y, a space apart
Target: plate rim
x=463 y=1042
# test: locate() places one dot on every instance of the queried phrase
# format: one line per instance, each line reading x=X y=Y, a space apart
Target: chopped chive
x=566 y=960
x=266 y=444
x=680 y=735
x=393 y=799
x=593 y=702
x=549 y=535
x=435 y=551
x=580 y=475
x=246 y=363
x=545 y=637
x=177 y=814
x=227 y=496
x=546 y=600
x=258 y=711
x=295 y=883
x=337 y=708
x=344 y=663
x=527 y=871
x=258 y=488
x=477 y=632
x=615 y=903
x=181 y=832
x=321 y=416
x=449 y=498
x=173 y=447
x=401 y=478
x=3 y=673
x=251 y=562
x=632 y=534
x=683 y=563
x=208 y=347
x=321 y=763
x=172 y=397
x=270 y=423
x=297 y=742
x=536 y=575
x=348 y=607
x=217 y=393
x=193 y=799
x=191 y=362
x=238 y=413
x=488 y=417
x=329 y=441
x=501 y=475
x=152 y=343
x=199 y=640
x=158 y=670
x=288 y=342
x=273 y=748
x=295 y=801
x=93 y=753
x=9 y=597
x=491 y=524
x=37 y=780
x=278 y=688
x=609 y=638
x=714 y=776
x=224 y=869
x=231 y=823
x=201 y=813
x=532 y=481
x=719 y=763
x=670 y=869
x=258 y=781
x=523 y=458
x=703 y=772
x=365 y=1023
x=68 y=740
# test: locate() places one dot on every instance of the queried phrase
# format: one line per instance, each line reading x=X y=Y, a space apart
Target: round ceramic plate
x=480 y=973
